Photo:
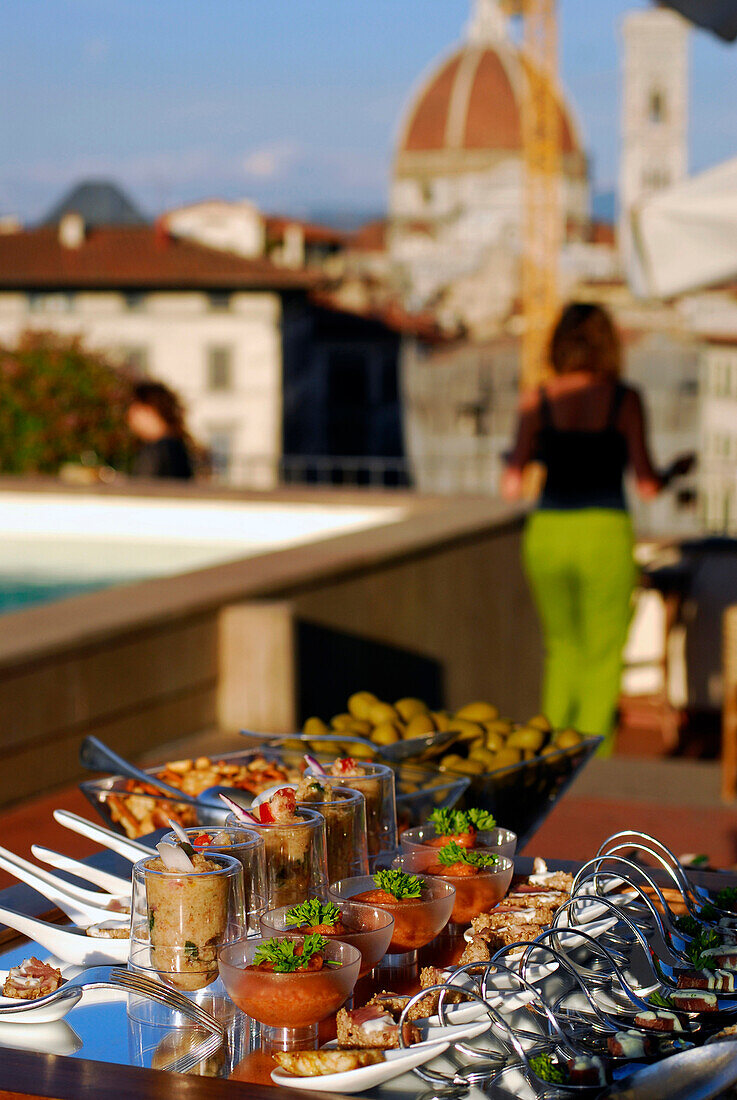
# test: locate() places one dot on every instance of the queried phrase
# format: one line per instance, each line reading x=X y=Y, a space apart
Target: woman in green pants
x=586 y=427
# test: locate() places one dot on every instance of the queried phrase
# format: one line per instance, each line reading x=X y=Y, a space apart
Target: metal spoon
x=696 y=1074
x=393 y=754
x=98 y=757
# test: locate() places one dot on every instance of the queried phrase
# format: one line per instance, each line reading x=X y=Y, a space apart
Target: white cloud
x=270 y=161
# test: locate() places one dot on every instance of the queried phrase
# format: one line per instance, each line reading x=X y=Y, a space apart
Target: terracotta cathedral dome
x=470 y=103
x=457 y=195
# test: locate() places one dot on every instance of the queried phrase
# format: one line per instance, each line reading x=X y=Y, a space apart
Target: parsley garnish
x=660 y=1001
x=282 y=954
x=191 y=950
x=452 y=853
x=151 y=919
x=453 y=822
x=543 y=1066
x=708 y=912
x=726 y=897
x=313 y=912
x=702 y=941
x=399 y=884
x=688 y=925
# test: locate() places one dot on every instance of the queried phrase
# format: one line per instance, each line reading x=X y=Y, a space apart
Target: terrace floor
x=676 y=800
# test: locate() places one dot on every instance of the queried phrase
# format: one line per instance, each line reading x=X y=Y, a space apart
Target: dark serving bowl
x=521 y=796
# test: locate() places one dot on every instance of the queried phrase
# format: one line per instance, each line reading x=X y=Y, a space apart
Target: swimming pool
x=56 y=545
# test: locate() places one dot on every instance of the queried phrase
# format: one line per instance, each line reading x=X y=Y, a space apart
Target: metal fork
x=197 y=1054
x=111 y=977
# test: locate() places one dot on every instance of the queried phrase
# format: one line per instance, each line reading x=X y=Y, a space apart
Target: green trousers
x=581 y=570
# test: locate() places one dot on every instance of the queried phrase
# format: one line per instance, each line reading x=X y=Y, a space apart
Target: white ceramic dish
x=396 y=1063
x=47 y=1016
x=51 y=1038
x=83 y=907
x=67 y=942
x=132 y=850
x=112 y=883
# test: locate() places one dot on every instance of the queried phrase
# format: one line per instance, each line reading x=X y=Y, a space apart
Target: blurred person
x=585 y=427
x=156 y=417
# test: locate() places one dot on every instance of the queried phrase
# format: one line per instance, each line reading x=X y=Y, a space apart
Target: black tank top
x=585 y=469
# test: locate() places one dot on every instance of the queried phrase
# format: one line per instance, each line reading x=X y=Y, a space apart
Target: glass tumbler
x=377 y=787
x=249 y=849
x=296 y=858
x=179 y=919
x=345 y=832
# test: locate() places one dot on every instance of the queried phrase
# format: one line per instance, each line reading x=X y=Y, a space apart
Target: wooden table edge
x=57 y=1077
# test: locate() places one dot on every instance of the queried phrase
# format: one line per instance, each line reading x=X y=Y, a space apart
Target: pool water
x=17 y=593
x=57 y=545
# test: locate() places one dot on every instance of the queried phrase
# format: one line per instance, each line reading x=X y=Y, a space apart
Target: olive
x=466 y=730
x=526 y=738
x=485 y=757
x=450 y=760
x=360 y=752
x=494 y=740
x=358 y=728
x=567 y=739
x=500 y=726
x=469 y=767
x=328 y=747
x=386 y=733
x=540 y=722
x=315 y=727
x=506 y=757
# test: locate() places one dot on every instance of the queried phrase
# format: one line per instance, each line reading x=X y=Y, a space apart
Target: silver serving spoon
x=691 y=1075
x=98 y=757
x=393 y=754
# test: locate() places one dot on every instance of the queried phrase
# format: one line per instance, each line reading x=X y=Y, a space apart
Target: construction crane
x=542 y=215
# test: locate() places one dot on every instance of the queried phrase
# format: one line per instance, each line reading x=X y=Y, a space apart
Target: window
x=219 y=369
x=135 y=300
x=50 y=303
x=656 y=106
x=135 y=359
x=221 y=439
x=219 y=299
x=655 y=178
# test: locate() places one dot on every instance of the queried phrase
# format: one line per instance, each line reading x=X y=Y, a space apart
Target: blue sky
x=294 y=103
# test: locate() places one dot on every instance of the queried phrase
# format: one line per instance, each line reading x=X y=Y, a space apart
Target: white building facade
x=207 y=323
x=718 y=452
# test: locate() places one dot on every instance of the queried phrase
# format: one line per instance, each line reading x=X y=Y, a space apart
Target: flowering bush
x=61 y=402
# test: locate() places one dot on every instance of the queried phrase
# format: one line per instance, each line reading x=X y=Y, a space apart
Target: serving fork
x=56 y=1005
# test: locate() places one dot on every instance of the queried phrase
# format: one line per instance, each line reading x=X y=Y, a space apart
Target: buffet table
x=99 y=1052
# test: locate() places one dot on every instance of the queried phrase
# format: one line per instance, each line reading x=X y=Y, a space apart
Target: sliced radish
x=242 y=815
x=314 y=764
x=177 y=828
x=174 y=858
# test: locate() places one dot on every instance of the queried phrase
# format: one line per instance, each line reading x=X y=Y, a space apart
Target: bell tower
x=488 y=22
x=654 y=109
